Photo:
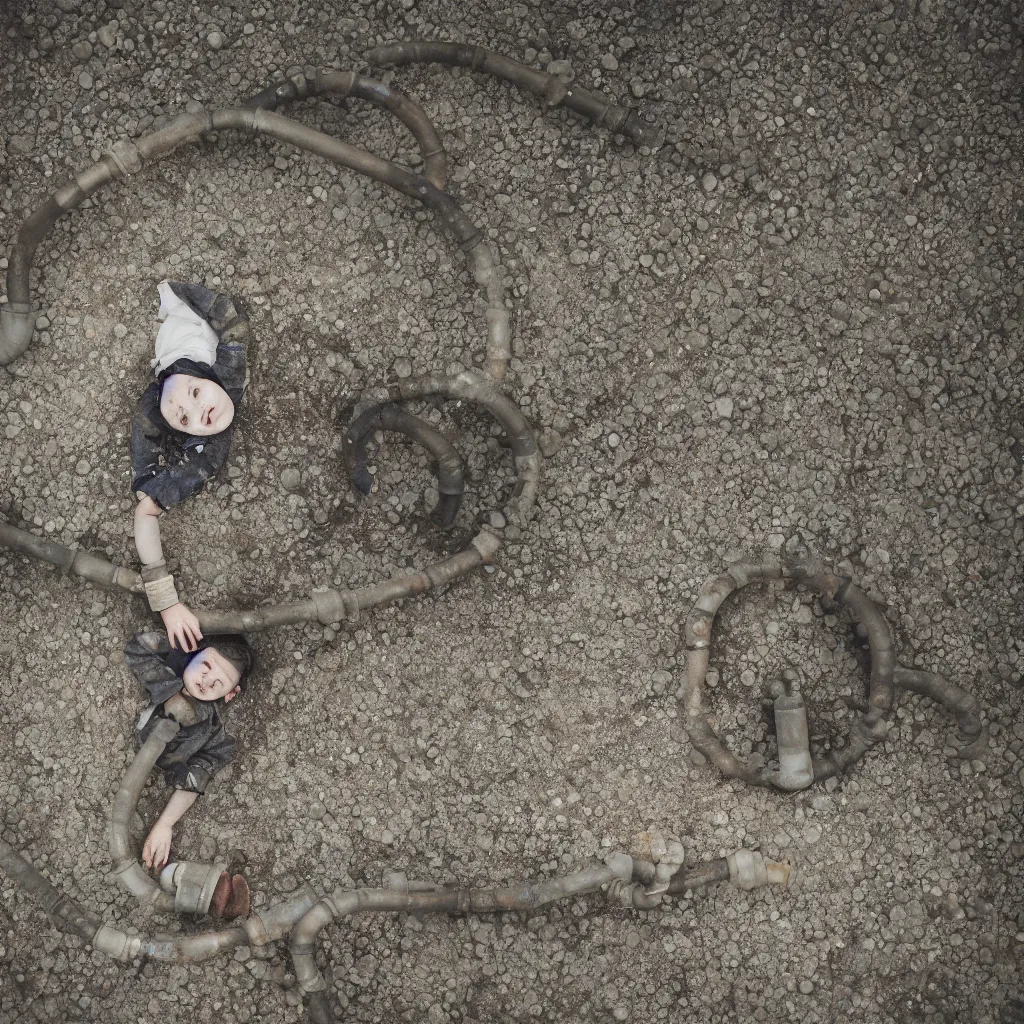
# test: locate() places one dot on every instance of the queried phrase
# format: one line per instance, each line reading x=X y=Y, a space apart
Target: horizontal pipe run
x=332 y=606
x=260 y=928
x=595 y=106
x=74 y=560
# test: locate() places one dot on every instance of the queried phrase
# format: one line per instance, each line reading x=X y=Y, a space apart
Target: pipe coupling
x=749 y=870
x=336 y=606
x=192 y=884
x=487 y=545
x=180 y=711
x=126 y=157
x=116 y=943
x=17 y=323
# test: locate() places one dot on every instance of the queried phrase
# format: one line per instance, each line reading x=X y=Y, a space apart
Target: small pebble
x=709 y=182
x=85 y=80
x=82 y=467
x=216 y=40
x=82 y=49
x=291 y=478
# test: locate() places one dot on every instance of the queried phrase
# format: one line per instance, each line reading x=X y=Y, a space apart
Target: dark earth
x=796 y=328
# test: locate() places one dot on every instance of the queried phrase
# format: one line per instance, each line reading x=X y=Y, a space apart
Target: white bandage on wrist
x=161 y=593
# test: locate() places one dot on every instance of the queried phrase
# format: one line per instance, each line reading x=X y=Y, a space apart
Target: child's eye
x=195 y=392
x=184 y=421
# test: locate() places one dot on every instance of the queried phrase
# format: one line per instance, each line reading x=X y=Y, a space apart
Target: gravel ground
x=797 y=328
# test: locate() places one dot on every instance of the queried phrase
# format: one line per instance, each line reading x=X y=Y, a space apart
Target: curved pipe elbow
x=17 y=325
x=309 y=926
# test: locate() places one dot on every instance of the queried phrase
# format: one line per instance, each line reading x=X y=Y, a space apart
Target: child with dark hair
x=209 y=678
x=182 y=428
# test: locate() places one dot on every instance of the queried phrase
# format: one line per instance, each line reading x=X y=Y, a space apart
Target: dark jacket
x=199 y=751
x=170 y=465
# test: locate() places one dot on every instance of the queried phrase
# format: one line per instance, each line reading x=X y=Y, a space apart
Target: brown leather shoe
x=238 y=901
x=230 y=898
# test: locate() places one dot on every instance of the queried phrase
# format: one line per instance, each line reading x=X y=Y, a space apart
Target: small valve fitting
x=795 y=768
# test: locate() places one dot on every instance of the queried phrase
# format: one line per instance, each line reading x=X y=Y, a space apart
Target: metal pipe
x=63 y=912
x=865 y=732
x=958 y=702
x=349 y=83
x=66 y=915
x=126 y=864
x=448 y=464
x=331 y=606
x=74 y=560
x=471 y=386
x=595 y=106
x=125 y=157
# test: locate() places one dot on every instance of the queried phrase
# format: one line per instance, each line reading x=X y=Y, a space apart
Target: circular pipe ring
x=867 y=729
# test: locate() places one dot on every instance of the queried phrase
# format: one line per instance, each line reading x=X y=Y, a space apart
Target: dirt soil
x=796 y=328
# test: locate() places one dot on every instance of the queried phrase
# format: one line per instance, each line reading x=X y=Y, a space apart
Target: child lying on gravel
x=182 y=428
x=209 y=679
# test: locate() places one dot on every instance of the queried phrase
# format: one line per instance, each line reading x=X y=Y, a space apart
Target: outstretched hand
x=157 y=849
x=182 y=627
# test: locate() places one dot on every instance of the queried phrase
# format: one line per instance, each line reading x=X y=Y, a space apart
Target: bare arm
x=157 y=850
x=181 y=624
x=147 y=530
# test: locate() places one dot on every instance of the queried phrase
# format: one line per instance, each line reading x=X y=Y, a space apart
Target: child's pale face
x=210 y=676
x=196 y=405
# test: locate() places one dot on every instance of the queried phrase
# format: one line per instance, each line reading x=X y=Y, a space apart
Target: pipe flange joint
x=116 y=943
x=486 y=545
x=126 y=156
x=620 y=893
x=256 y=929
